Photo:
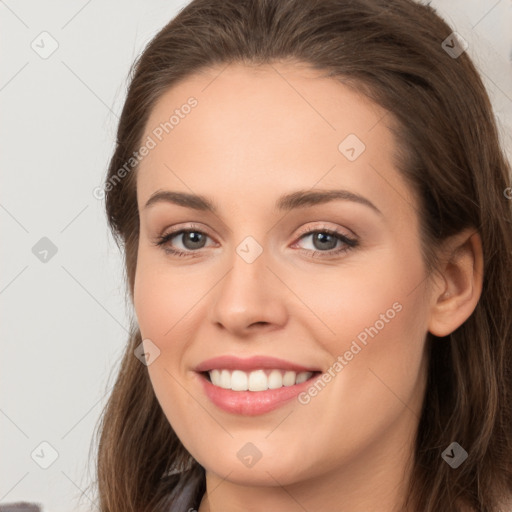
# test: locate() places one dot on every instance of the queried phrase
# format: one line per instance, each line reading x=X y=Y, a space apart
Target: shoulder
x=183 y=490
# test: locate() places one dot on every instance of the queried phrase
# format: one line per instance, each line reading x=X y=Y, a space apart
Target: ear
x=458 y=288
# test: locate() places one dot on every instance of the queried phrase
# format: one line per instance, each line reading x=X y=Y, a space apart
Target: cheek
x=163 y=297
x=373 y=325
x=166 y=303
x=366 y=301
x=162 y=300
x=378 y=373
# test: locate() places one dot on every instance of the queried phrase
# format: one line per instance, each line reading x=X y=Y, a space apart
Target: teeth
x=275 y=380
x=257 y=380
x=239 y=381
x=289 y=379
x=302 y=377
x=225 y=379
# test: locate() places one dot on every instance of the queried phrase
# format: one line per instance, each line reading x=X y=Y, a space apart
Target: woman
x=264 y=371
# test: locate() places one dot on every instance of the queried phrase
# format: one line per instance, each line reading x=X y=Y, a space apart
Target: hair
x=448 y=151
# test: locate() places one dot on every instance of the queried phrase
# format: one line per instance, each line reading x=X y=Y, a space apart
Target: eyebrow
x=287 y=202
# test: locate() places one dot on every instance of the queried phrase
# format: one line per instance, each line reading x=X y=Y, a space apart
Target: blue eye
x=194 y=239
x=328 y=239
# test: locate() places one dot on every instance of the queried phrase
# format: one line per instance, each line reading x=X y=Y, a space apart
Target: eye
x=324 y=242
x=191 y=239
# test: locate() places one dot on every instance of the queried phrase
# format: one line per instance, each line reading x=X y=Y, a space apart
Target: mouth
x=256 y=380
x=253 y=386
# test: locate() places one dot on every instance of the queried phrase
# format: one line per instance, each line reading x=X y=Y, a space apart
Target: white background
x=64 y=322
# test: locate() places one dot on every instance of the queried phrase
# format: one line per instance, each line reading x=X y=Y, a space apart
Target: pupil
x=322 y=237
x=194 y=238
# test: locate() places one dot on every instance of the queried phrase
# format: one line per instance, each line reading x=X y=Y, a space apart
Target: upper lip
x=252 y=363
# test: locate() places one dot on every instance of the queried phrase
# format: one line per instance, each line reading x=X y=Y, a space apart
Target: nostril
x=259 y=323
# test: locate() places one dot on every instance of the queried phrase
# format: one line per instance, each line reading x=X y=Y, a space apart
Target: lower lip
x=252 y=403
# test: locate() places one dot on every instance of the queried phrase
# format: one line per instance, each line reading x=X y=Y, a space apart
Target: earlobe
x=456 y=296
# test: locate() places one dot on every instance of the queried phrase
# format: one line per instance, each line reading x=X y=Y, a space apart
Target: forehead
x=253 y=130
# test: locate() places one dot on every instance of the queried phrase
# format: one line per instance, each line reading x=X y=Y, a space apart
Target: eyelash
x=350 y=243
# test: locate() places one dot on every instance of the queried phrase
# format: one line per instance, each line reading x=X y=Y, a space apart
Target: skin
x=258 y=133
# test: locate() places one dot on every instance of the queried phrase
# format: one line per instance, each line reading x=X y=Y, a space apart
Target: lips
x=255 y=385
x=252 y=363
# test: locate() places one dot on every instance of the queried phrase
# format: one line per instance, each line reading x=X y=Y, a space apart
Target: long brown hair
x=450 y=154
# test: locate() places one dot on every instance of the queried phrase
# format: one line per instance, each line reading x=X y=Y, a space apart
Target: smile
x=258 y=380
x=252 y=386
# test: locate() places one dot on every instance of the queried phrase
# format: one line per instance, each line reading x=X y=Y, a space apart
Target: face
x=286 y=308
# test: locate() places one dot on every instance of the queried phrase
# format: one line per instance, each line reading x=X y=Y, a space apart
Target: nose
x=249 y=298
